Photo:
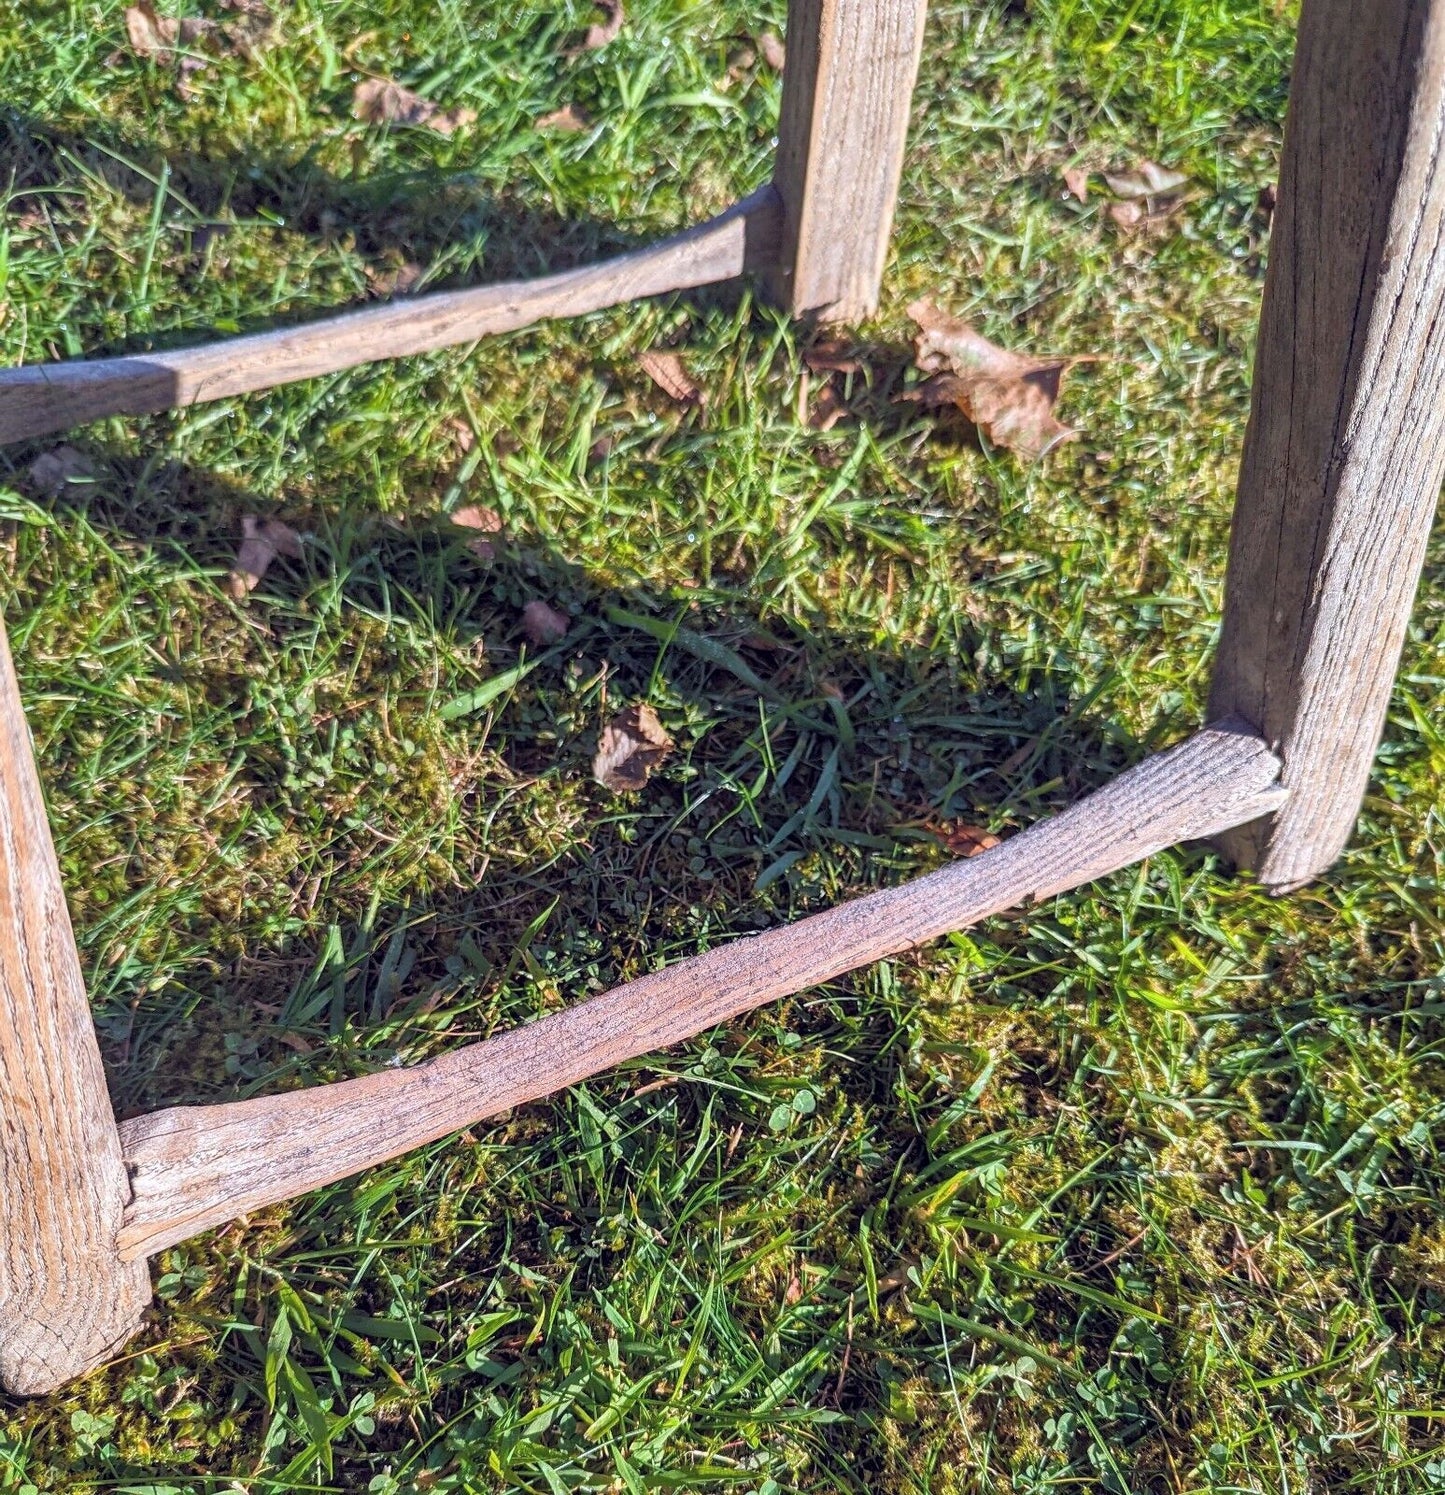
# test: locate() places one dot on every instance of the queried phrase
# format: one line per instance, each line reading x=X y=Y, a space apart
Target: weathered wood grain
x=846 y=95
x=1345 y=449
x=41 y=398
x=193 y=1167
x=67 y=1300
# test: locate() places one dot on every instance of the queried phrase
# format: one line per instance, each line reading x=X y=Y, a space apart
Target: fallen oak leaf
x=775 y=54
x=544 y=624
x=153 y=35
x=569 y=118
x=377 y=101
x=394 y=280
x=600 y=33
x=828 y=409
x=632 y=746
x=961 y=839
x=486 y=525
x=256 y=27
x=1076 y=181
x=667 y=371
x=1148 y=179
x=53 y=471
x=1009 y=396
x=262 y=540
x=832 y=357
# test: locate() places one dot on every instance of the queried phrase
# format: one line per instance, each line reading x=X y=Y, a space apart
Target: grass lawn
x=1138 y=1190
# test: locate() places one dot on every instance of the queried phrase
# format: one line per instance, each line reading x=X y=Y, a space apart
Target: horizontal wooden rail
x=193 y=1167
x=40 y=398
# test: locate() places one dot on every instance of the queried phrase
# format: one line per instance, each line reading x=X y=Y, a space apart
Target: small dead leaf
x=153 y=35
x=775 y=54
x=1264 y=204
x=828 y=409
x=741 y=61
x=377 y=101
x=568 y=118
x=633 y=744
x=1148 y=179
x=1009 y=396
x=394 y=280
x=599 y=34
x=256 y=27
x=459 y=428
x=666 y=370
x=961 y=839
x=262 y=540
x=50 y=472
x=1076 y=181
x=543 y=624
x=1127 y=214
x=486 y=523
x=832 y=357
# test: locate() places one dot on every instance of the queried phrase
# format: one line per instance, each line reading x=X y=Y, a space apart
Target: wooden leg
x=846 y=95
x=67 y=1300
x=1345 y=450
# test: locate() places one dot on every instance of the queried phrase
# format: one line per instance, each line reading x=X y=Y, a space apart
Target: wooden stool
x=1343 y=460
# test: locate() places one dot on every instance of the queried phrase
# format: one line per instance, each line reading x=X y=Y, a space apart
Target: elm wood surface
x=194 y=1167
x=67 y=1300
x=1345 y=449
x=40 y=398
x=846 y=95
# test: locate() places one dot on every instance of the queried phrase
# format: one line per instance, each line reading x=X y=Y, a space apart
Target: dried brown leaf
x=666 y=370
x=153 y=35
x=544 y=624
x=832 y=357
x=828 y=409
x=633 y=744
x=1076 y=181
x=50 y=472
x=568 y=118
x=961 y=839
x=254 y=29
x=487 y=525
x=461 y=432
x=377 y=101
x=1009 y=396
x=1148 y=179
x=775 y=54
x=1127 y=214
x=741 y=61
x=262 y=540
x=600 y=33
x=149 y=34
x=394 y=280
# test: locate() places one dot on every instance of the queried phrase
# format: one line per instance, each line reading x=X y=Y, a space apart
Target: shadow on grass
x=809 y=766
x=400 y=223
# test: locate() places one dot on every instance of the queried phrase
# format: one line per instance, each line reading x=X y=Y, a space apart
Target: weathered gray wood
x=847 y=88
x=67 y=1300
x=197 y=1166
x=1346 y=443
x=41 y=398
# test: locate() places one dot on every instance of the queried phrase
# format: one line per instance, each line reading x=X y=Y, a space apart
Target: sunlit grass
x=1138 y=1190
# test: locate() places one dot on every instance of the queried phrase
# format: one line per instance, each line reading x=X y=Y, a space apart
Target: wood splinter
x=195 y=1167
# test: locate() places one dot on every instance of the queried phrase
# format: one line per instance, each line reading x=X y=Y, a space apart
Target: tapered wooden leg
x=846 y=94
x=1345 y=449
x=67 y=1300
